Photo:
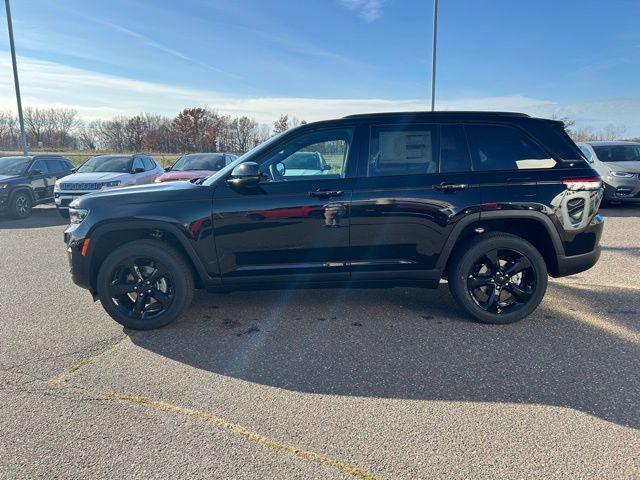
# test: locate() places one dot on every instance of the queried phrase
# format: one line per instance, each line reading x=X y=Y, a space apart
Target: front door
x=413 y=188
x=293 y=226
x=42 y=181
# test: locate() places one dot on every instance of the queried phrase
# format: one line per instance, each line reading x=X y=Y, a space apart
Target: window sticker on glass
x=405 y=147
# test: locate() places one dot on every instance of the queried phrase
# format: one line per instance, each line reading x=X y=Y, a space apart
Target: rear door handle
x=450 y=187
x=325 y=193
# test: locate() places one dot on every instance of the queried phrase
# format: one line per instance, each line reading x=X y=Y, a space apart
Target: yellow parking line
x=67 y=372
x=243 y=432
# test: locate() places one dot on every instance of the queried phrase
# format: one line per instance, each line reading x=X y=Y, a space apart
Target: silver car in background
x=105 y=171
x=618 y=163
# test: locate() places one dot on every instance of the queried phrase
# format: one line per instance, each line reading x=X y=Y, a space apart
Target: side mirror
x=73 y=170
x=35 y=172
x=167 y=169
x=138 y=170
x=326 y=167
x=246 y=174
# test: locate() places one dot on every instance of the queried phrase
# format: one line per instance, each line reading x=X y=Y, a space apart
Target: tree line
x=192 y=130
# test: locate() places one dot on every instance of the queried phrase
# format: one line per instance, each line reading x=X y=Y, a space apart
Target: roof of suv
x=454 y=114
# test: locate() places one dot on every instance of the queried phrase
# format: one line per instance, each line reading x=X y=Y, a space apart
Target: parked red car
x=196 y=165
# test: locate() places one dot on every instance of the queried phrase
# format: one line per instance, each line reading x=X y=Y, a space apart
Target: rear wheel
x=21 y=205
x=144 y=285
x=498 y=278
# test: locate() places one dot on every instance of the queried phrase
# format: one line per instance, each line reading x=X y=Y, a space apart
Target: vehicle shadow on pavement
x=40 y=217
x=621 y=211
x=580 y=349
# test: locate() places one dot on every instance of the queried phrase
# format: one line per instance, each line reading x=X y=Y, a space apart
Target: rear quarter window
x=501 y=147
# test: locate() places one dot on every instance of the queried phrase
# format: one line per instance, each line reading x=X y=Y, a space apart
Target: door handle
x=450 y=187
x=325 y=193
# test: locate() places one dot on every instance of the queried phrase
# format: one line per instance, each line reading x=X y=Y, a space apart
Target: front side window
x=496 y=147
x=454 y=155
x=402 y=150
x=137 y=164
x=39 y=166
x=618 y=153
x=149 y=164
x=106 y=163
x=316 y=155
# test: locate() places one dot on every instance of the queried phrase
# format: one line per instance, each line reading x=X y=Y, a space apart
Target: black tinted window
x=39 y=165
x=402 y=150
x=454 y=155
x=55 y=166
x=496 y=147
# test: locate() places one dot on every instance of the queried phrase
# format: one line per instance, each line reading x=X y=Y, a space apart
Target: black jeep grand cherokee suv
x=494 y=202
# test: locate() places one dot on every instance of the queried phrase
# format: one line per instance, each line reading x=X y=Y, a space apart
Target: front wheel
x=21 y=205
x=498 y=278
x=145 y=284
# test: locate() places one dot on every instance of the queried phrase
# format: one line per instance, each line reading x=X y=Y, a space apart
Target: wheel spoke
x=479 y=281
x=161 y=297
x=134 y=270
x=121 y=288
x=138 y=306
x=491 y=305
x=517 y=266
x=520 y=294
x=156 y=275
x=492 y=256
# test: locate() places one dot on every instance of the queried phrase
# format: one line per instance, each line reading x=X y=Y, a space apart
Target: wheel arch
x=532 y=226
x=107 y=237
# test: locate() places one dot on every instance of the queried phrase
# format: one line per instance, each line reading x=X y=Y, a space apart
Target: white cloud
x=369 y=10
x=97 y=95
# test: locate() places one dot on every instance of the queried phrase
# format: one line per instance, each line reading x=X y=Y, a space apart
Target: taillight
x=590 y=183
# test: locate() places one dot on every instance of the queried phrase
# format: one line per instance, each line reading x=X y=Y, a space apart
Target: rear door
x=412 y=187
x=290 y=227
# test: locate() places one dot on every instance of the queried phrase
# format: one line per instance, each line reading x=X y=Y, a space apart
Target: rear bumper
x=577 y=263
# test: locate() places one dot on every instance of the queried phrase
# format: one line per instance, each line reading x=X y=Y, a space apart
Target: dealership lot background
x=319 y=383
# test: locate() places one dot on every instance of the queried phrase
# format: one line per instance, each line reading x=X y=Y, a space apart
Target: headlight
x=622 y=174
x=115 y=183
x=77 y=215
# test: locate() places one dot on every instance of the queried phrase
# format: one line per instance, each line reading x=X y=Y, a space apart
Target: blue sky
x=324 y=58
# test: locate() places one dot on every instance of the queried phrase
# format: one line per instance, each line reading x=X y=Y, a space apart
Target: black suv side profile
x=26 y=181
x=492 y=202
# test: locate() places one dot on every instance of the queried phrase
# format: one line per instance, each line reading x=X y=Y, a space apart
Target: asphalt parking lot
x=318 y=383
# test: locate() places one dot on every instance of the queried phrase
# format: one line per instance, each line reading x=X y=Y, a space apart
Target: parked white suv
x=105 y=171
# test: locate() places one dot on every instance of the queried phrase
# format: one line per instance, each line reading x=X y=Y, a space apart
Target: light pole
x=23 y=137
x=433 y=55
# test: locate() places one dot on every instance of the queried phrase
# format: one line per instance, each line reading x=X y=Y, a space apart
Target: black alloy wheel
x=498 y=277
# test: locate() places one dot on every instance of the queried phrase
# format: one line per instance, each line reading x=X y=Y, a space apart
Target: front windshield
x=618 y=153
x=199 y=161
x=255 y=150
x=106 y=163
x=13 y=165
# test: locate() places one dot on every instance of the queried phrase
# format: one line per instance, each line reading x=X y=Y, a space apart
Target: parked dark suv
x=29 y=181
x=493 y=202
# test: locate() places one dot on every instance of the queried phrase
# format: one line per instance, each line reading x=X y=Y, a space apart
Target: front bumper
x=79 y=265
x=622 y=189
x=577 y=263
x=63 y=199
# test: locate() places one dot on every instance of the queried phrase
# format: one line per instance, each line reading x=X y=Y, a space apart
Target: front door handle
x=450 y=187
x=325 y=193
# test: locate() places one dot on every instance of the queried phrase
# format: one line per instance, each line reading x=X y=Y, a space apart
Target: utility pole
x=23 y=137
x=433 y=55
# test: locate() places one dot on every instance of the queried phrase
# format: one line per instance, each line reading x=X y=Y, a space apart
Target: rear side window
x=496 y=147
x=454 y=155
x=402 y=150
x=55 y=166
x=149 y=164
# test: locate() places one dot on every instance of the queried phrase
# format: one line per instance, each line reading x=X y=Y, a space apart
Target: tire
x=20 y=205
x=135 y=267
x=490 y=302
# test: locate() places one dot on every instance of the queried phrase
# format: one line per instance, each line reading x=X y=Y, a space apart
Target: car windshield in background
x=104 y=163
x=304 y=161
x=198 y=161
x=13 y=165
x=618 y=153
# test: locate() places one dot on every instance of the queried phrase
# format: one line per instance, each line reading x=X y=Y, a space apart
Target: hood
x=184 y=175
x=624 y=166
x=8 y=178
x=94 y=177
x=153 y=193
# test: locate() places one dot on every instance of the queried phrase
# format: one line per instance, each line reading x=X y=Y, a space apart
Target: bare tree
x=613 y=132
x=281 y=125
